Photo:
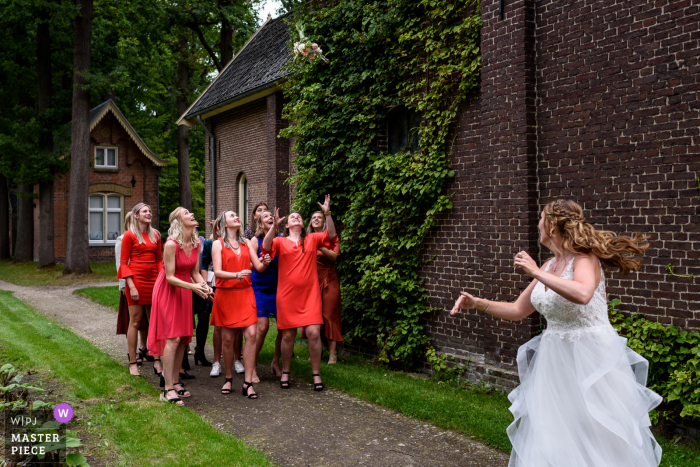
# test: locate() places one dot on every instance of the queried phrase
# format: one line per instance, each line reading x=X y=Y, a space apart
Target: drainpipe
x=212 y=158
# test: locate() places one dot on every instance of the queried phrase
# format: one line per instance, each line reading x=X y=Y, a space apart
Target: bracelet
x=487 y=306
x=237 y=277
x=326 y=213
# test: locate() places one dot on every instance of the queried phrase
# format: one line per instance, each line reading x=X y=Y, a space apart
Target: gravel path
x=295 y=427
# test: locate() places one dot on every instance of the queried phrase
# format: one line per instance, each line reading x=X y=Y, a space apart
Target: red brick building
x=123 y=173
x=585 y=99
x=242 y=112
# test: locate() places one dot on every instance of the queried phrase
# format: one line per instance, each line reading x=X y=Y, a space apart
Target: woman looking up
x=329 y=283
x=298 y=295
x=258 y=209
x=265 y=289
x=234 y=303
x=139 y=264
x=582 y=400
x=171 y=319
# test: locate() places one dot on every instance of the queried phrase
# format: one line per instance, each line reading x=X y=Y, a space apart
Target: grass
x=29 y=274
x=123 y=410
x=108 y=295
x=475 y=411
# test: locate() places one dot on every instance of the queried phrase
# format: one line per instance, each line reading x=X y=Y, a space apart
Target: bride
x=583 y=399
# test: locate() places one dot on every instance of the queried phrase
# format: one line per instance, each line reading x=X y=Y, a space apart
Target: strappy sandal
x=156 y=372
x=133 y=363
x=175 y=400
x=143 y=353
x=224 y=391
x=284 y=384
x=181 y=392
x=318 y=386
x=333 y=356
x=247 y=385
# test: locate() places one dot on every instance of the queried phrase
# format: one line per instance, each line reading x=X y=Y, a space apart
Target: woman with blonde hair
x=170 y=329
x=582 y=401
x=234 y=303
x=139 y=265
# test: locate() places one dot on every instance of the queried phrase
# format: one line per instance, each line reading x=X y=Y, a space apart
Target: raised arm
x=326 y=208
x=270 y=235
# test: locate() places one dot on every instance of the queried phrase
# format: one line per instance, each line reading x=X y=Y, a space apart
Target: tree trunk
x=43 y=54
x=24 y=246
x=77 y=248
x=183 y=145
x=4 y=219
x=226 y=37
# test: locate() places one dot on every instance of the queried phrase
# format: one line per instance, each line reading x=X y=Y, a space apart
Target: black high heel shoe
x=128 y=356
x=186 y=375
x=156 y=372
x=318 y=386
x=200 y=358
x=143 y=353
x=247 y=385
x=226 y=392
x=284 y=384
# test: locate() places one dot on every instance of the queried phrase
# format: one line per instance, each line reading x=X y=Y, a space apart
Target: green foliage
x=424 y=55
x=674 y=360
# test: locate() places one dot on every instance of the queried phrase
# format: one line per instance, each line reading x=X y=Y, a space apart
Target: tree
x=77 y=256
x=183 y=150
x=4 y=219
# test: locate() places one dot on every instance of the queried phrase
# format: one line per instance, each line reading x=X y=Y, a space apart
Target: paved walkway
x=294 y=427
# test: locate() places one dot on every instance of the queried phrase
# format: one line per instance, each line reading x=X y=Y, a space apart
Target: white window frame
x=105 y=166
x=243 y=201
x=105 y=210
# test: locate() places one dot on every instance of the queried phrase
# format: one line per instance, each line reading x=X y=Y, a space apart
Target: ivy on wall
x=424 y=55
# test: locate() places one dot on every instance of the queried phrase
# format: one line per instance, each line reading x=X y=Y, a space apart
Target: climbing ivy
x=424 y=55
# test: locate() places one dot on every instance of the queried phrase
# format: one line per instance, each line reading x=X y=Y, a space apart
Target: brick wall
x=131 y=163
x=590 y=100
x=247 y=143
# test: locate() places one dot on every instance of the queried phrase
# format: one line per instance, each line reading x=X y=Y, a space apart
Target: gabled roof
x=98 y=113
x=256 y=70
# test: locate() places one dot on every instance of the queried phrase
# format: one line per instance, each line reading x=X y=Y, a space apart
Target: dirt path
x=295 y=427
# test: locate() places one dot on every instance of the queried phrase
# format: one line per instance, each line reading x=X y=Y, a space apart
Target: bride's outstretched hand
x=523 y=260
x=465 y=300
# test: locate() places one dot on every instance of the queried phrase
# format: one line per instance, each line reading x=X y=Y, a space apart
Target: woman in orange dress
x=234 y=302
x=329 y=282
x=139 y=264
x=298 y=294
x=170 y=329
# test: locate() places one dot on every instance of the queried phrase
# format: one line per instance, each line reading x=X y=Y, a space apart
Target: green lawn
x=481 y=414
x=29 y=274
x=120 y=410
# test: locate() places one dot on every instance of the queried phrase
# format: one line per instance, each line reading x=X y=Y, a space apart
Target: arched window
x=106 y=216
x=243 y=201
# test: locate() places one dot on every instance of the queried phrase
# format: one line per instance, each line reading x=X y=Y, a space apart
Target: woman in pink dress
x=170 y=328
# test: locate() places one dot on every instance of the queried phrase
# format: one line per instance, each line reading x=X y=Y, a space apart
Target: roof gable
x=99 y=112
x=258 y=65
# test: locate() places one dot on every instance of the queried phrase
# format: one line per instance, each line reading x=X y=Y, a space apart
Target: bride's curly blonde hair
x=581 y=237
x=175 y=229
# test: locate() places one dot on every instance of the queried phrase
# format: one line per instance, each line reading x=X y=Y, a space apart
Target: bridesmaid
x=171 y=320
x=329 y=283
x=265 y=289
x=139 y=265
x=298 y=294
x=234 y=302
x=258 y=209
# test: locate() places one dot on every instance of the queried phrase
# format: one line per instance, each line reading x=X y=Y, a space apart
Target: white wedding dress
x=582 y=401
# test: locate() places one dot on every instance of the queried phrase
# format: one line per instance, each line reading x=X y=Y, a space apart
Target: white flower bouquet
x=305 y=50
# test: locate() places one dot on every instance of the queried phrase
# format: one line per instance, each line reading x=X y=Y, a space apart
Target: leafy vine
x=424 y=55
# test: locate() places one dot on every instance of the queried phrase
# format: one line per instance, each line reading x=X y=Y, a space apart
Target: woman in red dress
x=139 y=264
x=234 y=303
x=298 y=294
x=170 y=329
x=329 y=283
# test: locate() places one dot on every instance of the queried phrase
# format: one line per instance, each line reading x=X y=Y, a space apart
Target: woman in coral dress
x=298 y=294
x=170 y=329
x=234 y=303
x=139 y=264
x=582 y=400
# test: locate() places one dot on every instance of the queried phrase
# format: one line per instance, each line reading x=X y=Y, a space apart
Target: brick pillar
x=508 y=167
x=278 y=155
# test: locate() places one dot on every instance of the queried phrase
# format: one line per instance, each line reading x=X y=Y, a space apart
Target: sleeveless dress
x=582 y=401
x=265 y=287
x=234 y=300
x=171 y=312
x=142 y=261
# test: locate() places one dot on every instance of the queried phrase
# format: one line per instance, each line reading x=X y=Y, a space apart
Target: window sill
x=107 y=243
x=106 y=169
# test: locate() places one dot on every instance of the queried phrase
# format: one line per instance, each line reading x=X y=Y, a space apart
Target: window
x=106 y=157
x=105 y=218
x=243 y=201
x=403 y=129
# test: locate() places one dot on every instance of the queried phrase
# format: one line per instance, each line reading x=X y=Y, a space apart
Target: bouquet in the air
x=305 y=50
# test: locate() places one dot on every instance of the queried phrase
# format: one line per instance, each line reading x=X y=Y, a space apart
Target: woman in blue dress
x=265 y=289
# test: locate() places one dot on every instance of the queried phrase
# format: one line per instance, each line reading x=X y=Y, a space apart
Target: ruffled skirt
x=582 y=402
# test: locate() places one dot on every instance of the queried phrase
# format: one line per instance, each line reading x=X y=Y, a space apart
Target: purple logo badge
x=63 y=413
